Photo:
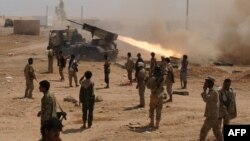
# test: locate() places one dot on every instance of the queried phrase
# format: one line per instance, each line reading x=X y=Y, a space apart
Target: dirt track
x=181 y=120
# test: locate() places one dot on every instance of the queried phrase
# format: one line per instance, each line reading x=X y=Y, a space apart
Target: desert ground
x=115 y=115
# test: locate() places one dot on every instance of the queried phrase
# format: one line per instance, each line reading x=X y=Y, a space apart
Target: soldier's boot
x=185 y=85
x=84 y=125
x=89 y=124
x=157 y=124
x=151 y=124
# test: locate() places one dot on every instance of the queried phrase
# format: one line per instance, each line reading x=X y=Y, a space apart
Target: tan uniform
x=29 y=74
x=106 y=72
x=130 y=66
x=50 y=61
x=156 y=99
x=228 y=109
x=153 y=64
x=141 y=86
x=72 y=72
x=170 y=79
x=212 y=115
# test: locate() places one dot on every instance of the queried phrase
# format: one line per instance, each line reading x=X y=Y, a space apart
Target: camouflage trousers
x=130 y=75
x=155 y=105
x=50 y=65
x=141 y=90
x=29 y=88
x=106 y=77
x=169 y=89
x=74 y=75
x=61 y=73
x=208 y=124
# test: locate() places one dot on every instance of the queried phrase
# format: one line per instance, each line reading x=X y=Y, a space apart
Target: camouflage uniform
x=227 y=106
x=48 y=109
x=136 y=66
x=106 y=72
x=170 y=80
x=87 y=98
x=141 y=86
x=130 y=66
x=73 y=72
x=184 y=73
x=212 y=114
x=153 y=64
x=155 y=84
x=29 y=74
x=61 y=64
x=50 y=60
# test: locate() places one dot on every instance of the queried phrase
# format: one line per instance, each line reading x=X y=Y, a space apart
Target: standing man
x=130 y=66
x=48 y=107
x=87 y=98
x=106 y=70
x=73 y=70
x=141 y=84
x=155 y=84
x=211 y=98
x=29 y=74
x=50 y=60
x=139 y=59
x=153 y=64
x=184 y=72
x=170 y=79
x=228 y=109
x=61 y=64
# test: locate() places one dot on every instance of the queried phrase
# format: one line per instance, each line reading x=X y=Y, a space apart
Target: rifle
x=61 y=115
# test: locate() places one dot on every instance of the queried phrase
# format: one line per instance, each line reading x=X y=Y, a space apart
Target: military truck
x=69 y=41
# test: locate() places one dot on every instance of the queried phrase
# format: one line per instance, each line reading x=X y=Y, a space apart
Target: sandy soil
x=181 y=120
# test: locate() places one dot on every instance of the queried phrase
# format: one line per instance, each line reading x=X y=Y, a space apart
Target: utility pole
x=187 y=14
x=46 y=16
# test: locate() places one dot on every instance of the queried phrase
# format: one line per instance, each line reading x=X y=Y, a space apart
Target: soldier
x=183 y=72
x=153 y=64
x=163 y=66
x=169 y=79
x=73 y=70
x=29 y=74
x=106 y=70
x=87 y=98
x=141 y=84
x=227 y=103
x=48 y=102
x=129 y=66
x=51 y=129
x=61 y=64
x=50 y=60
x=155 y=84
x=139 y=59
x=211 y=98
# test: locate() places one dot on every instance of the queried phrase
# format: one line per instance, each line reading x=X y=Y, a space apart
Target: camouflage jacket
x=48 y=108
x=156 y=86
x=130 y=64
x=212 y=103
x=227 y=103
x=29 y=72
x=141 y=77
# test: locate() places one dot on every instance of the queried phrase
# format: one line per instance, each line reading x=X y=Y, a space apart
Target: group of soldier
x=220 y=104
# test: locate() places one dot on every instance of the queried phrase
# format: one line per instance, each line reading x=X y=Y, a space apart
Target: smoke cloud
x=234 y=44
x=60 y=12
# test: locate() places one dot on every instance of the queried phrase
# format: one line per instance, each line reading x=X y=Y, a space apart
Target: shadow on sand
x=70 y=131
